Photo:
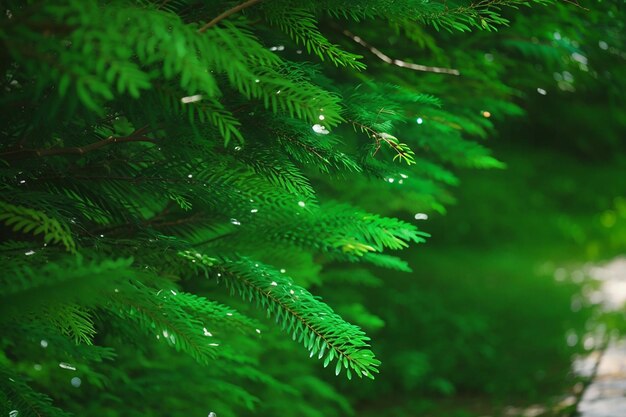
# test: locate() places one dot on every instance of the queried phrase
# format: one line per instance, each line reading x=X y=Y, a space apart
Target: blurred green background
x=496 y=309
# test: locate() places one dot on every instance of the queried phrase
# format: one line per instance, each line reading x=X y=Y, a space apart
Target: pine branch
x=23 y=398
x=28 y=220
x=299 y=313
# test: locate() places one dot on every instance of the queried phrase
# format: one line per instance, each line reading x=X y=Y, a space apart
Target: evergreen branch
x=28 y=220
x=179 y=318
x=23 y=398
x=68 y=280
x=72 y=321
x=226 y=14
x=307 y=319
x=403 y=64
x=301 y=26
x=308 y=148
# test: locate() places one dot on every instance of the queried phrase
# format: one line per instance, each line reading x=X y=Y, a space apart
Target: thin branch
x=397 y=62
x=79 y=150
x=204 y=242
x=196 y=217
x=305 y=146
x=155 y=222
x=130 y=179
x=377 y=136
x=575 y=3
x=226 y=14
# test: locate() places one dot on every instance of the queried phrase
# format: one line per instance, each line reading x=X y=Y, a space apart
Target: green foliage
x=19 y=396
x=301 y=26
x=26 y=220
x=305 y=318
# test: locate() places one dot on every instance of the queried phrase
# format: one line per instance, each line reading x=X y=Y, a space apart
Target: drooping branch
x=227 y=13
x=397 y=62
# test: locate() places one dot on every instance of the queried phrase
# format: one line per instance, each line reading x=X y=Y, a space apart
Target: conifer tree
x=166 y=165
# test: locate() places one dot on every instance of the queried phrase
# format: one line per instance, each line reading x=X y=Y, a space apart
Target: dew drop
x=191 y=99
x=76 y=382
x=66 y=365
x=317 y=128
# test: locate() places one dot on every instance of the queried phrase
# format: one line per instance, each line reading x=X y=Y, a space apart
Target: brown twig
x=136 y=136
x=575 y=3
x=227 y=13
x=193 y=218
x=397 y=62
